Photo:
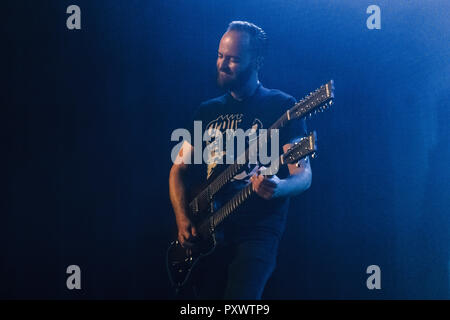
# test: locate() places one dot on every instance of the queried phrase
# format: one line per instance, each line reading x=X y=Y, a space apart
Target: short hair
x=258 y=38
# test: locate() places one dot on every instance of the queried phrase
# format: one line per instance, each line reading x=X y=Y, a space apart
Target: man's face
x=234 y=60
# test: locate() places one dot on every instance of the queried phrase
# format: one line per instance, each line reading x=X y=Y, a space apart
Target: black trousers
x=234 y=270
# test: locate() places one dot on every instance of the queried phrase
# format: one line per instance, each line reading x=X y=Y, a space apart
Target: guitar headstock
x=305 y=147
x=317 y=101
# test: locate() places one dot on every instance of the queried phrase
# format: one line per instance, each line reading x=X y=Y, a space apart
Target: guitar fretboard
x=212 y=222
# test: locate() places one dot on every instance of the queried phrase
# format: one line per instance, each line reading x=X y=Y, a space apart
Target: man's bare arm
x=178 y=179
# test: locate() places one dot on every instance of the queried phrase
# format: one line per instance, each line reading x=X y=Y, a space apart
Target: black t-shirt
x=255 y=216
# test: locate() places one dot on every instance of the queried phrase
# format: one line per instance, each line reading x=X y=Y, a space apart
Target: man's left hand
x=265 y=186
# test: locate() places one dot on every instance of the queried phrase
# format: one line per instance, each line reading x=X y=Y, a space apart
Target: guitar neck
x=231 y=205
x=218 y=217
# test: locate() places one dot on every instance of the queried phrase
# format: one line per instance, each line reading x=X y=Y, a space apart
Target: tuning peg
x=314 y=155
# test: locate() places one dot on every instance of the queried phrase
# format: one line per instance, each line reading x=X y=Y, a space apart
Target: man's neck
x=245 y=91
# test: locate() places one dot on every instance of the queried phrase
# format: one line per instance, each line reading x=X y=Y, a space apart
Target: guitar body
x=181 y=261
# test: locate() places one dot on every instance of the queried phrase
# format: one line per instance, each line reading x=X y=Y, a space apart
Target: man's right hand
x=177 y=191
x=187 y=233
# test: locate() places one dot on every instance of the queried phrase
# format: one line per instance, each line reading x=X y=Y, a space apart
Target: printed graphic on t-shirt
x=222 y=123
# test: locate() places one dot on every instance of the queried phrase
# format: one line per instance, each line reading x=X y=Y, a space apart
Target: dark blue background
x=86 y=122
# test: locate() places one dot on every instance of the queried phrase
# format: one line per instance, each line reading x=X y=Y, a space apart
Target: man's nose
x=223 y=64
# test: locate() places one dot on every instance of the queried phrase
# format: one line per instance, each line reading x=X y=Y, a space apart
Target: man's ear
x=259 y=62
